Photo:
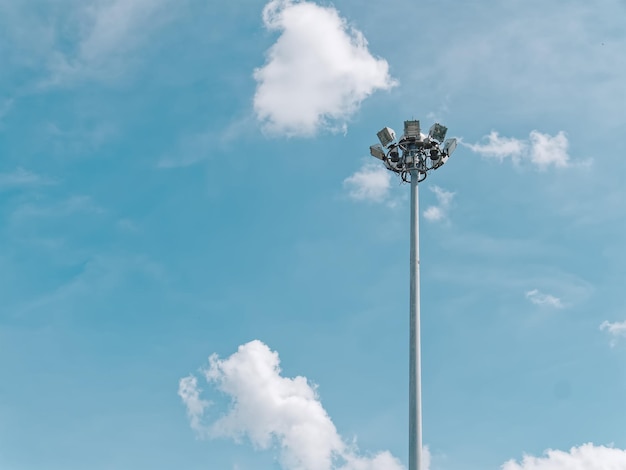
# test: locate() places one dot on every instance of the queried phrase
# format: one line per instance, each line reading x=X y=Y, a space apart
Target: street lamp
x=412 y=157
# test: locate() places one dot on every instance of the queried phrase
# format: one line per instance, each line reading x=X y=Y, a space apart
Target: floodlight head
x=449 y=146
x=412 y=129
x=437 y=132
x=377 y=151
x=386 y=136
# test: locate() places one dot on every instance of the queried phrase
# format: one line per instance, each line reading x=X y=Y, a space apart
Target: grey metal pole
x=415 y=359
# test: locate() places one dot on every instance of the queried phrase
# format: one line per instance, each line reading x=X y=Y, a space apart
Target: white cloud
x=434 y=214
x=277 y=412
x=371 y=183
x=585 y=457
x=500 y=147
x=615 y=330
x=318 y=71
x=541 y=150
x=546 y=150
x=539 y=298
x=190 y=394
x=440 y=211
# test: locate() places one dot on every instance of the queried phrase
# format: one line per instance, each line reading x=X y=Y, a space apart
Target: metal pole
x=415 y=360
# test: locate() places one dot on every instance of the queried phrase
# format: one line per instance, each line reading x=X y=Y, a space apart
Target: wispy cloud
x=196 y=147
x=276 y=412
x=585 y=457
x=191 y=149
x=106 y=35
x=318 y=71
x=21 y=178
x=78 y=204
x=560 y=58
x=439 y=212
x=546 y=150
x=499 y=147
x=539 y=298
x=371 y=183
x=102 y=274
x=541 y=150
x=189 y=392
x=5 y=107
x=615 y=330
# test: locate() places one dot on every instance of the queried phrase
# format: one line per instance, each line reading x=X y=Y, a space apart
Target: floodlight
x=449 y=146
x=437 y=132
x=377 y=151
x=413 y=154
x=412 y=129
x=386 y=136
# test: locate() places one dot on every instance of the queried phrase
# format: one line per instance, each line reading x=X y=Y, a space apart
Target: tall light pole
x=412 y=157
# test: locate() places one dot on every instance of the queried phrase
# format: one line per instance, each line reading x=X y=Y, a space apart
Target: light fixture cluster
x=413 y=151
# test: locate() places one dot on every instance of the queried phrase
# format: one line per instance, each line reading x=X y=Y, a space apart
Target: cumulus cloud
x=585 y=457
x=541 y=150
x=615 y=330
x=318 y=71
x=440 y=211
x=539 y=298
x=371 y=183
x=275 y=412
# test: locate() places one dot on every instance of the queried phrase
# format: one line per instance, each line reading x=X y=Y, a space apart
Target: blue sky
x=182 y=180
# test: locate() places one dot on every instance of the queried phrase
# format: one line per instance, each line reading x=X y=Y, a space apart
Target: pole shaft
x=415 y=360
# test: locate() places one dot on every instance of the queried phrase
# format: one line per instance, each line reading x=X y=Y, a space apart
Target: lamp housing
x=449 y=146
x=386 y=136
x=377 y=151
x=412 y=130
x=437 y=132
